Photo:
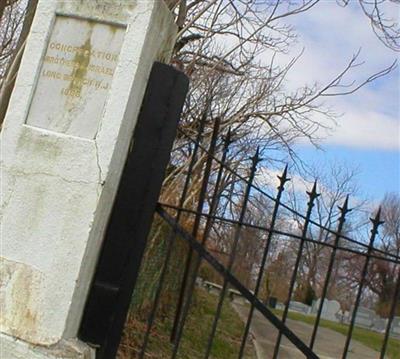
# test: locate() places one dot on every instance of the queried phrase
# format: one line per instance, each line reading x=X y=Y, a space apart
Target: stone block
x=64 y=143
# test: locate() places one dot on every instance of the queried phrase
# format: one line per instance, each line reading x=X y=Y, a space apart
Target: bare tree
x=16 y=17
x=385 y=26
x=11 y=18
x=223 y=46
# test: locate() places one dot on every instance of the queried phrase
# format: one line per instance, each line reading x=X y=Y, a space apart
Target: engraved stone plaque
x=75 y=77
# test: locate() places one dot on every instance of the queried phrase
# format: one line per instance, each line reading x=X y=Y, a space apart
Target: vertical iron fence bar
x=374 y=231
x=343 y=212
x=196 y=226
x=312 y=196
x=283 y=179
x=171 y=238
x=391 y=316
x=216 y=192
x=213 y=207
x=255 y=160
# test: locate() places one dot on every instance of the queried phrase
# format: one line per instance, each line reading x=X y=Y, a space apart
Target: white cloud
x=366 y=130
x=331 y=35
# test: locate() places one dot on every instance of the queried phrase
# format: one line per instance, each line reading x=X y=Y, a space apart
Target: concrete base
x=11 y=348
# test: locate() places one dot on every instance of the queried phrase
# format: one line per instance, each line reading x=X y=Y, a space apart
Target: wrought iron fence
x=206 y=214
x=197 y=217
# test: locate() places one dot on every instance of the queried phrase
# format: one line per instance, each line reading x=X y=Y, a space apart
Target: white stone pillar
x=63 y=146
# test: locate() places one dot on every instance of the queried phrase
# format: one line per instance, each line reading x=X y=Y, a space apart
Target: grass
x=369 y=338
x=193 y=344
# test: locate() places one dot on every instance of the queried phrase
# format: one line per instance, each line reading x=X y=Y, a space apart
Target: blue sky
x=367 y=135
x=378 y=172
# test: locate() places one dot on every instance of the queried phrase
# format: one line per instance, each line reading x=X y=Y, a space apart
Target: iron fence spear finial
x=283 y=179
x=228 y=138
x=256 y=158
x=345 y=208
x=313 y=194
x=376 y=222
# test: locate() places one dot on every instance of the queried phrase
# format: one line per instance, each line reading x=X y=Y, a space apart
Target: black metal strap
x=133 y=210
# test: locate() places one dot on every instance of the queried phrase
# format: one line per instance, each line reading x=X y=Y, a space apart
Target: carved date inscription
x=76 y=76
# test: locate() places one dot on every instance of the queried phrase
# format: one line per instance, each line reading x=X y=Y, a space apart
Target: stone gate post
x=63 y=147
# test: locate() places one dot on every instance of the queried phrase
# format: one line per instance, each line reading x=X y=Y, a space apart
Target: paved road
x=329 y=344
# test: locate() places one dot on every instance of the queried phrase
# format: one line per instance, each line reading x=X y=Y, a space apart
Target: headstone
x=236 y=297
x=330 y=309
x=299 y=307
x=199 y=281
x=280 y=306
x=346 y=317
x=213 y=288
x=365 y=317
x=379 y=324
x=395 y=328
x=272 y=302
x=64 y=143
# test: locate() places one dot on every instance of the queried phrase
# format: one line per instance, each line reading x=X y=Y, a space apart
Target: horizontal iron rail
x=282 y=233
x=396 y=257
x=195 y=245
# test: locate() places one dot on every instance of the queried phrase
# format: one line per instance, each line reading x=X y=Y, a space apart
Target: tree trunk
x=2 y=7
x=11 y=73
